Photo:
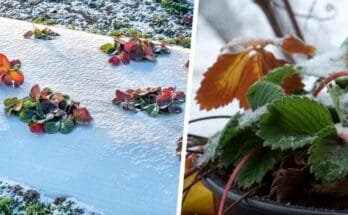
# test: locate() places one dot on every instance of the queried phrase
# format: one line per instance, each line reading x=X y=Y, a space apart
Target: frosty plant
x=135 y=49
x=48 y=111
x=43 y=34
x=153 y=101
x=10 y=73
x=287 y=136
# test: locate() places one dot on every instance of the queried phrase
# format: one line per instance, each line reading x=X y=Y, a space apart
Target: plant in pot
x=286 y=150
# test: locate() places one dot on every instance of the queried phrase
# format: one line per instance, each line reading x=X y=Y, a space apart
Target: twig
x=293 y=19
x=210 y=117
x=245 y=195
x=306 y=16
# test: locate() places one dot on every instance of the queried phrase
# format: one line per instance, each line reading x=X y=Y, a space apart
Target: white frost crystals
x=325 y=64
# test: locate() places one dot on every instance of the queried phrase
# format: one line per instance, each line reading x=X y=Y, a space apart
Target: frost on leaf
x=135 y=49
x=233 y=73
x=46 y=111
x=152 y=100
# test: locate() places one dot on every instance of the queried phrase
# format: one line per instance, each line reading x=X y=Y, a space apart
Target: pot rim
x=216 y=185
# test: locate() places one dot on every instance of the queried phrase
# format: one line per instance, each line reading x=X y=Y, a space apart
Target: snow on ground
x=124 y=163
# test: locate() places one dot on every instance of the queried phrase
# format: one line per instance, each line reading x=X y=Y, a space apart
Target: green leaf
x=29 y=104
x=279 y=74
x=107 y=48
x=211 y=148
x=257 y=167
x=329 y=156
x=293 y=122
x=12 y=104
x=52 y=127
x=235 y=140
x=152 y=109
x=26 y=116
x=263 y=93
x=66 y=126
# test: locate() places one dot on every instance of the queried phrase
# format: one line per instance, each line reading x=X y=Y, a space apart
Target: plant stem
x=327 y=80
x=233 y=177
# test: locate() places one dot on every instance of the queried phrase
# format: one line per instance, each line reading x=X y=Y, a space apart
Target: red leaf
x=114 y=60
x=15 y=63
x=123 y=57
x=82 y=116
x=129 y=45
x=35 y=92
x=37 y=128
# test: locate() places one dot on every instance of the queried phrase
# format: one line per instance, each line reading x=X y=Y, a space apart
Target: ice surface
x=124 y=163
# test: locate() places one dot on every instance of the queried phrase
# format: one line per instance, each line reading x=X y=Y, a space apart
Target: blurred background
x=318 y=22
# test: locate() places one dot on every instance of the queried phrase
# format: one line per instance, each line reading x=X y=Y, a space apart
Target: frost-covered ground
x=124 y=163
x=24 y=199
x=104 y=16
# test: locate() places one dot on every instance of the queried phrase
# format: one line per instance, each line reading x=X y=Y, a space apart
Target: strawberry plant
x=135 y=49
x=291 y=141
x=10 y=73
x=42 y=34
x=46 y=111
x=153 y=101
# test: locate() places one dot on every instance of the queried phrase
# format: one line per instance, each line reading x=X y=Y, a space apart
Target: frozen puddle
x=124 y=163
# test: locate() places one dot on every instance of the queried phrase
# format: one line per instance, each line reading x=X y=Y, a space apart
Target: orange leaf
x=232 y=75
x=4 y=61
x=294 y=45
x=292 y=83
x=13 y=78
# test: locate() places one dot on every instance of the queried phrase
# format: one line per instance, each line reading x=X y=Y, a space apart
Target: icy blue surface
x=124 y=163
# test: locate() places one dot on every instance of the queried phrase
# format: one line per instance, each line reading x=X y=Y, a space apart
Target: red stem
x=233 y=177
x=327 y=80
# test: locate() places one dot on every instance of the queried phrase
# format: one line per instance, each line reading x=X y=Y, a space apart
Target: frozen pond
x=124 y=163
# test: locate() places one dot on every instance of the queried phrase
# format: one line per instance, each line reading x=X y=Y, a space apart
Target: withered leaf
x=232 y=75
x=294 y=45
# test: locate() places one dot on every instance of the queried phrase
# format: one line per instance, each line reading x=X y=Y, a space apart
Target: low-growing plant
x=284 y=136
x=46 y=111
x=153 y=101
x=135 y=49
x=42 y=34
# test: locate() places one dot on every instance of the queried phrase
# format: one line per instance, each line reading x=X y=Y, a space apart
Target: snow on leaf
x=325 y=64
x=293 y=122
